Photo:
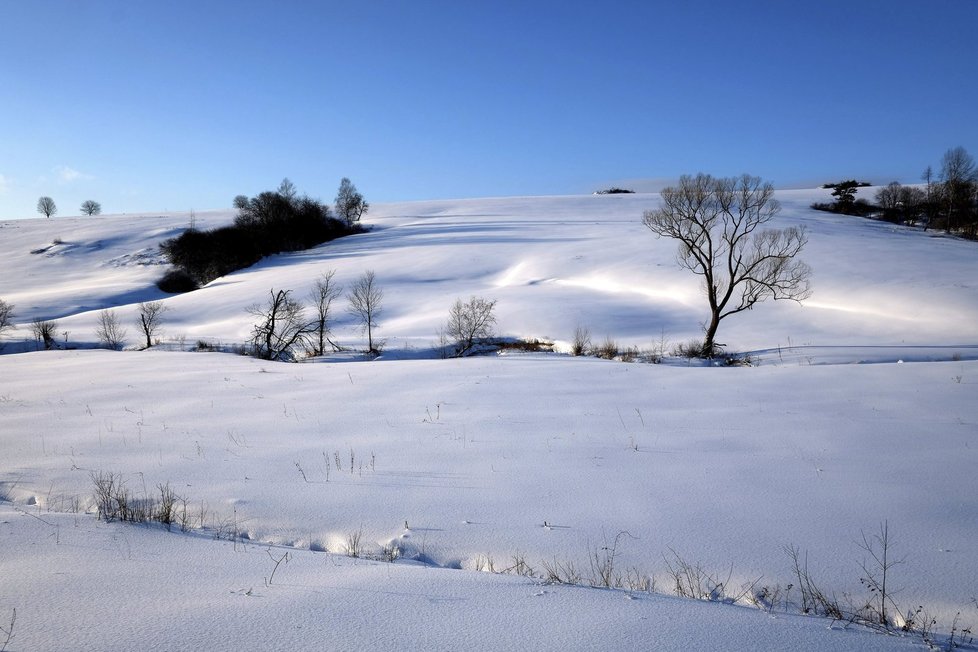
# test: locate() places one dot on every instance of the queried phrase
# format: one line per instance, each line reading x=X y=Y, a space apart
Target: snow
x=540 y=456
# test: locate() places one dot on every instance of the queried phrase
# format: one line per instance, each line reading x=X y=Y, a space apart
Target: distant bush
x=691 y=349
x=269 y=223
x=858 y=208
x=615 y=191
x=177 y=281
x=608 y=350
x=581 y=344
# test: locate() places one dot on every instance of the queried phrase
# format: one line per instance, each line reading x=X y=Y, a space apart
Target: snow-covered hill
x=543 y=458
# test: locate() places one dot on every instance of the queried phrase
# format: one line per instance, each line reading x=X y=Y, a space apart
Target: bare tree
x=46 y=207
x=959 y=177
x=280 y=328
x=324 y=292
x=110 y=332
x=240 y=202
x=717 y=222
x=468 y=323
x=6 y=317
x=350 y=205
x=365 y=299
x=888 y=197
x=287 y=189
x=43 y=331
x=90 y=207
x=150 y=314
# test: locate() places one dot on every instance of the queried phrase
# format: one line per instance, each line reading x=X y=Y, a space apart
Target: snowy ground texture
x=463 y=465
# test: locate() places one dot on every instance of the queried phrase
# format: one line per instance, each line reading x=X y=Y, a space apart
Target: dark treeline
x=947 y=201
x=269 y=223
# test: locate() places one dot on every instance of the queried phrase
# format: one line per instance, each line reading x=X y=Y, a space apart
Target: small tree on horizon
x=717 y=223
x=350 y=205
x=90 y=207
x=46 y=206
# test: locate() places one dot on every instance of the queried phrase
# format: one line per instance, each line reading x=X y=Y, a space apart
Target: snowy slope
x=541 y=457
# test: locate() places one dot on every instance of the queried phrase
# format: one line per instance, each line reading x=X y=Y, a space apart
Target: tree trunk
x=709 y=345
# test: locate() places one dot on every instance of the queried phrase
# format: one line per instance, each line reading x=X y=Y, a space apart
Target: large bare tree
x=365 y=299
x=717 y=222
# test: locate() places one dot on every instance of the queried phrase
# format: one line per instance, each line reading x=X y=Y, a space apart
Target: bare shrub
x=354 y=545
x=391 y=552
x=106 y=486
x=691 y=349
x=602 y=561
x=876 y=572
x=166 y=511
x=109 y=332
x=485 y=564
x=813 y=598
x=470 y=323
x=581 y=344
x=558 y=572
x=520 y=566
x=608 y=350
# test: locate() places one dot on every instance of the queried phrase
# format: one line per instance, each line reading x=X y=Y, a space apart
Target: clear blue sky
x=146 y=106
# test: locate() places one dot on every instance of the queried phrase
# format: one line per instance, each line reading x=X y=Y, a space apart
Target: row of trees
x=110 y=332
x=283 y=327
x=47 y=207
x=268 y=223
x=947 y=201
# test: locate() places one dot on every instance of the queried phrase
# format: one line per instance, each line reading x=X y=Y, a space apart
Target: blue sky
x=177 y=105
